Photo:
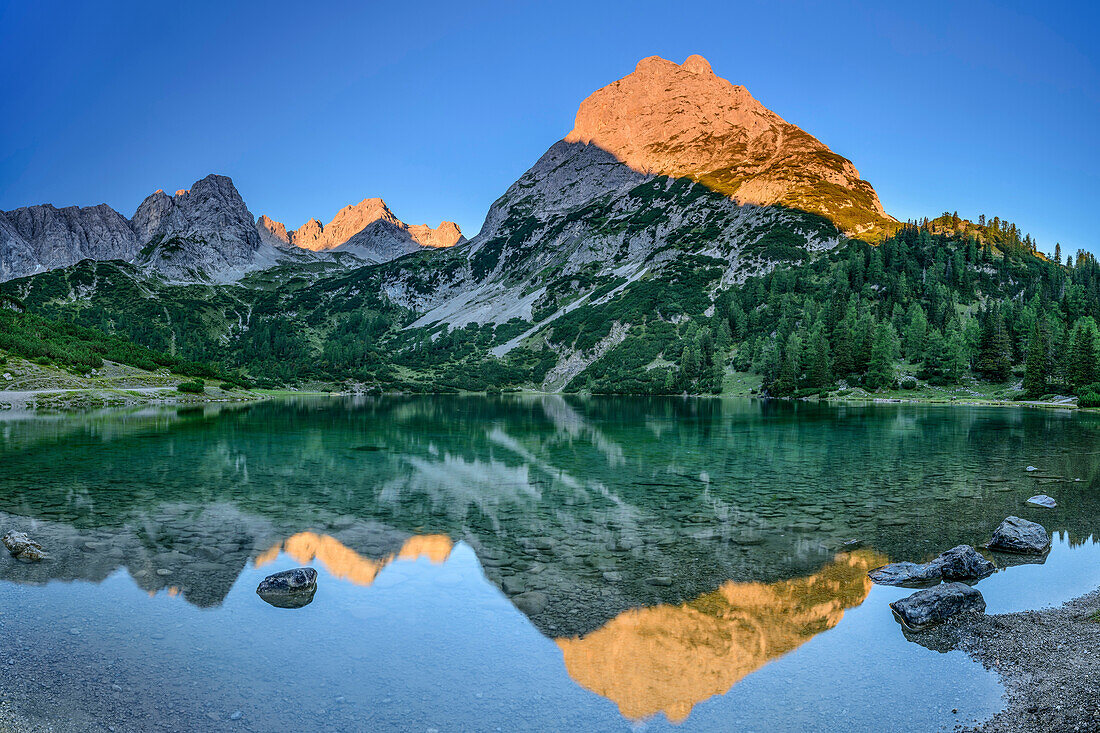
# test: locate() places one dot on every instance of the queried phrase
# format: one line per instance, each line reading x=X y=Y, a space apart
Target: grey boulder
x=1043 y=500
x=964 y=563
x=23 y=547
x=906 y=573
x=290 y=588
x=934 y=605
x=1020 y=536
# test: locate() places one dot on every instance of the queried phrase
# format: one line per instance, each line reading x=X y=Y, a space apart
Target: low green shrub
x=1088 y=399
x=196 y=387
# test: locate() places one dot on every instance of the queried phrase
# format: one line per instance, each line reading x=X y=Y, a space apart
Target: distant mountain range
x=680 y=233
x=203 y=233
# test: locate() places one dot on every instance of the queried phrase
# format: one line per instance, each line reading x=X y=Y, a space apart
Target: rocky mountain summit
x=43 y=237
x=684 y=121
x=368 y=230
x=204 y=233
x=206 y=229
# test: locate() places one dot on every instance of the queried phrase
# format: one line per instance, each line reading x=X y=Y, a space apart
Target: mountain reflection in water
x=550 y=514
x=347 y=564
x=668 y=658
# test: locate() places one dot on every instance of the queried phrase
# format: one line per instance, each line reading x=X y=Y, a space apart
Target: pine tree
x=1037 y=368
x=1084 y=351
x=935 y=358
x=916 y=331
x=884 y=355
x=724 y=340
x=819 y=368
x=958 y=355
x=994 y=347
x=791 y=370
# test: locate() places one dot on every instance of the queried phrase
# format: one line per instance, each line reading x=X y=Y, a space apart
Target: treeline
x=942 y=301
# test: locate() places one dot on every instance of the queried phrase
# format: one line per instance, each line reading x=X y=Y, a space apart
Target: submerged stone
x=1021 y=536
x=290 y=588
x=934 y=605
x=964 y=563
x=1043 y=500
x=23 y=547
x=906 y=573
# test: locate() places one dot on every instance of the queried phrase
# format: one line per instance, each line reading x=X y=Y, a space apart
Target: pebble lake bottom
x=517 y=563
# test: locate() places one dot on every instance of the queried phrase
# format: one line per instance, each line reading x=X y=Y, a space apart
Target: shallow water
x=517 y=563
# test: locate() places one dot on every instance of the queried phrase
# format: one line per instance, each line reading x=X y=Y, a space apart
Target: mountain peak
x=684 y=121
x=696 y=64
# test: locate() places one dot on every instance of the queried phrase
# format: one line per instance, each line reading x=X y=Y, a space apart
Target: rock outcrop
x=272 y=232
x=927 y=607
x=684 y=121
x=202 y=231
x=906 y=573
x=1020 y=536
x=23 y=547
x=38 y=238
x=369 y=230
x=964 y=563
x=290 y=588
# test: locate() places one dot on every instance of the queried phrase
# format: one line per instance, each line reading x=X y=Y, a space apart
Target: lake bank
x=1046 y=660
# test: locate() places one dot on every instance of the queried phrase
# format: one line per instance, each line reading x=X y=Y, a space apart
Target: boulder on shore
x=1020 y=536
x=964 y=563
x=290 y=588
x=23 y=547
x=1043 y=500
x=927 y=607
x=906 y=573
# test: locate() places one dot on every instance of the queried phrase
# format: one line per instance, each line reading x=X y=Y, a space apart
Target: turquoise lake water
x=518 y=563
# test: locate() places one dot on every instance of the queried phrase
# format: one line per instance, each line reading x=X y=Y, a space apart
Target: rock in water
x=23 y=547
x=1043 y=500
x=906 y=573
x=1020 y=536
x=964 y=563
x=290 y=588
x=931 y=606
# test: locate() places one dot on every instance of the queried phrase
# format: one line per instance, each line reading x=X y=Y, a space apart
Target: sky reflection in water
x=529 y=563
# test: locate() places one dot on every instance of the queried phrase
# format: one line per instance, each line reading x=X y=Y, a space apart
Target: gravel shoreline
x=1047 y=660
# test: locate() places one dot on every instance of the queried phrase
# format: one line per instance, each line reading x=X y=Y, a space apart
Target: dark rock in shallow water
x=906 y=573
x=23 y=547
x=1043 y=500
x=290 y=588
x=1021 y=536
x=931 y=606
x=964 y=563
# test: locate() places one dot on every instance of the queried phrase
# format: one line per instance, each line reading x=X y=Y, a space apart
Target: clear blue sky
x=978 y=107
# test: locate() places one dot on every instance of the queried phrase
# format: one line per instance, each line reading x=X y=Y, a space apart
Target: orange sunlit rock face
x=668 y=658
x=347 y=564
x=684 y=121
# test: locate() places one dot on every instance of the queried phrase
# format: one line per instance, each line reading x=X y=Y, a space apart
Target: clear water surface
x=518 y=563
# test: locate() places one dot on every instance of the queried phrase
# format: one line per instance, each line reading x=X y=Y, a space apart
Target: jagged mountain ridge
x=37 y=238
x=368 y=230
x=204 y=233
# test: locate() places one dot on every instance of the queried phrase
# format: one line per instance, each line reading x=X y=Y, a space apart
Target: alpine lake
x=547 y=563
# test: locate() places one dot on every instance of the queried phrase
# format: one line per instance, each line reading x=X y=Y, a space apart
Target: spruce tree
x=994 y=347
x=819 y=368
x=916 y=331
x=790 y=371
x=884 y=354
x=1084 y=349
x=1037 y=369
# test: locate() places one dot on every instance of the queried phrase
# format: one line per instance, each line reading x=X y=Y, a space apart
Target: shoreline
x=44 y=401
x=1046 y=660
